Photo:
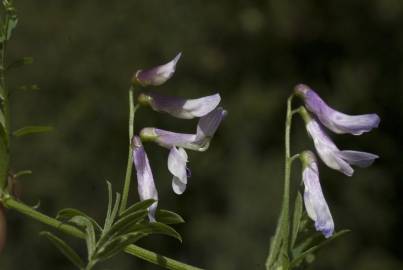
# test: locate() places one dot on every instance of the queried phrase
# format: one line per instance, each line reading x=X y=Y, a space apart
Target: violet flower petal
x=334 y=120
x=179 y=107
x=332 y=156
x=315 y=203
x=200 y=141
x=157 y=75
x=209 y=124
x=145 y=180
x=177 y=161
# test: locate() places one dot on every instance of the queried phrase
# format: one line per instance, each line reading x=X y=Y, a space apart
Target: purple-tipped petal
x=360 y=159
x=177 y=161
x=145 y=179
x=336 y=121
x=326 y=149
x=209 y=124
x=315 y=203
x=200 y=141
x=157 y=75
x=179 y=107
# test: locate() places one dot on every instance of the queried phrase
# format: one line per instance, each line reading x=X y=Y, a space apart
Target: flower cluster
x=319 y=115
x=205 y=108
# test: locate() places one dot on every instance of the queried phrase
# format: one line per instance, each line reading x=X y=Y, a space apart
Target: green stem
x=279 y=244
x=129 y=166
x=4 y=143
x=137 y=251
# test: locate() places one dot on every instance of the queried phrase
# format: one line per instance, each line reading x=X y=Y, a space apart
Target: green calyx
x=148 y=135
x=307 y=158
x=144 y=100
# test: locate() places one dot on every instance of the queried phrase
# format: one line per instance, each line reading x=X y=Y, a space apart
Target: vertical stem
x=4 y=141
x=129 y=166
x=279 y=243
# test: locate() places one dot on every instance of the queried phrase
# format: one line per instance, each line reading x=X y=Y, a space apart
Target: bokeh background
x=252 y=53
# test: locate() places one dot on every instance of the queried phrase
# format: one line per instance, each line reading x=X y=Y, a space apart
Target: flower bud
x=157 y=75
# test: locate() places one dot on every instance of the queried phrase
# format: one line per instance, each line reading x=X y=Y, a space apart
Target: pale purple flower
x=315 y=203
x=331 y=155
x=145 y=179
x=179 y=107
x=336 y=121
x=178 y=142
x=157 y=75
x=177 y=161
x=200 y=141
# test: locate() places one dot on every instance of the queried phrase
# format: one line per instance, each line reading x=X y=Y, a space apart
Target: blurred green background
x=252 y=53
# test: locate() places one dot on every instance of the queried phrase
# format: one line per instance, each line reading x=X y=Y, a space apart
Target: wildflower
x=178 y=142
x=336 y=121
x=200 y=141
x=314 y=200
x=330 y=154
x=145 y=179
x=179 y=107
x=157 y=75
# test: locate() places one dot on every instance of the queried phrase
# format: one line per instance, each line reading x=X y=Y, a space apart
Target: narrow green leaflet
x=156 y=228
x=111 y=218
x=20 y=62
x=90 y=236
x=296 y=218
x=69 y=213
x=315 y=248
x=168 y=217
x=31 y=130
x=22 y=173
x=65 y=249
x=137 y=206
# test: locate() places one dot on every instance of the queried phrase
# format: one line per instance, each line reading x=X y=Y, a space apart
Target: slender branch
x=4 y=144
x=129 y=166
x=279 y=243
x=135 y=250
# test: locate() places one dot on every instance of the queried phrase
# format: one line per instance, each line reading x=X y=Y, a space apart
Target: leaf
x=64 y=248
x=118 y=244
x=90 y=237
x=156 y=228
x=69 y=213
x=122 y=226
x=31 y=130
x=20 y=62
x=296 y=218
x=168 y=217
x=10 y=24
x=315 y=248
x=109 y=221
x=138 y=206
x=22 y=173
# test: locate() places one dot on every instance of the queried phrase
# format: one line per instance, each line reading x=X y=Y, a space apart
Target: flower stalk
x=132 y=111
x=279 y=244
